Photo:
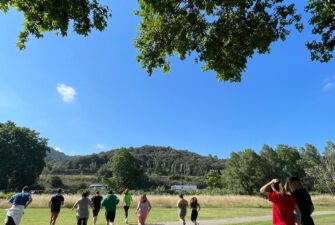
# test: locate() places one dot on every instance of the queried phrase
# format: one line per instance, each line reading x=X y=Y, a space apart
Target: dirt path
x=238 y=220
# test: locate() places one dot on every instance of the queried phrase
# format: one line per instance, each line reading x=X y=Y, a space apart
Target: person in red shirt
x=283 y=204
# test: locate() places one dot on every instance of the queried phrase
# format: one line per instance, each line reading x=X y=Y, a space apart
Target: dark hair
x=143 y=198
x=25 y=189
x=295 y=183
x=293 y=179
x=85 y=194
x=278 y=187
x=125 y=191
x=181 y=196
x=110 y=192
x=97 y=192
x=59 y=191
x=194 y=202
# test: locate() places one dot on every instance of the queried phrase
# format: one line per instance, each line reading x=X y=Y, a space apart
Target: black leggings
x=9 y=221
x=82 y=221
x=194 y=215
x=126 y=208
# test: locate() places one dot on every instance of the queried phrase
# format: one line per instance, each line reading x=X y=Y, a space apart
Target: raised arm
x=265 y=188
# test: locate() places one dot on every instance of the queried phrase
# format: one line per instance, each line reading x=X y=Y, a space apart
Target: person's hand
x=275 y=181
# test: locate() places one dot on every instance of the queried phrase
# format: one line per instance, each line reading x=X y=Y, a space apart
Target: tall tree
x=323 y=170
x=323 y=21
x=310 y=159
x=22 y=153
x=220 y=34
x=271 y=163
x=42 y=16
x=213 y=179
x=288 y=158
x=244 y=172
x=125 y=170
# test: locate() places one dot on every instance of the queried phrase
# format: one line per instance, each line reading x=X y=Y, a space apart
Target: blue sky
x=89 y=94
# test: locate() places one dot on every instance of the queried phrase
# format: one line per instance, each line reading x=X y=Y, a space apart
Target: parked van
x=99 y=186
x=184 y=187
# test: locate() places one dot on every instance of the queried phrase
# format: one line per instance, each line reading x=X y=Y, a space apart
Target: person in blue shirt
x=19 y=201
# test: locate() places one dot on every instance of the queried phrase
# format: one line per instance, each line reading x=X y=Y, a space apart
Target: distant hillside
x=162 y=161
x=55 y=155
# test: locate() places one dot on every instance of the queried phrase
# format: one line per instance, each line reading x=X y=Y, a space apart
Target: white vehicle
x=184 y=187
x=99 y=186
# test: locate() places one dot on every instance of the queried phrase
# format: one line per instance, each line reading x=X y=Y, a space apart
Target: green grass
x=318 y=220
x=41 y=216
x=35 y=216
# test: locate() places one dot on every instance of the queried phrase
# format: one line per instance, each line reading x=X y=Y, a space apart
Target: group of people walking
x=109 y=202
x=182 y=209
x=291 y=203
x=21 y=200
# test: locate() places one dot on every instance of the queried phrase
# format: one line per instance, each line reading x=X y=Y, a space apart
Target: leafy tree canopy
x=125 y=170
x=22 y=153
x=220 y=34
x=42 y=16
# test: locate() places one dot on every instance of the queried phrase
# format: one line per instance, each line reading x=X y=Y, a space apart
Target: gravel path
x=237 y=220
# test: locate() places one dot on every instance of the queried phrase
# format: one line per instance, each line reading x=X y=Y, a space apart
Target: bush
x=56 y=182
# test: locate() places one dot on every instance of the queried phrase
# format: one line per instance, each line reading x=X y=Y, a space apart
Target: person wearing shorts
x=109 y=202
x=182 y=208
x=19 y=202
x=81 y=207
x=55 y=204
x=96 y=205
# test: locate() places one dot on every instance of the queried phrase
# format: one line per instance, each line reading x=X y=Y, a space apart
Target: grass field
x=170 y=201
x=318 y=220
x=36 y=216
x=164 y=209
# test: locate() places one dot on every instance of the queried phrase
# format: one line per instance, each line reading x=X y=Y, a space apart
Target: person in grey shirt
x=82 y=211
x=182 y=206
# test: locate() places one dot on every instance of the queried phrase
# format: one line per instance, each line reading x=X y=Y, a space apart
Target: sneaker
x=126 y=220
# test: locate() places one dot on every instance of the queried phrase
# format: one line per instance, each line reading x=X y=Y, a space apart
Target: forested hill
x=154 y=160
x=55 y=155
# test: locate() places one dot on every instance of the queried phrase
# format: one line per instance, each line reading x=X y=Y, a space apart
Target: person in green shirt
x=109 y=202
x=127 y=199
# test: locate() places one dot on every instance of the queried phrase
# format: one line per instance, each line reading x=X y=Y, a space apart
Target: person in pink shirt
x=283 y=204
x=143 y=209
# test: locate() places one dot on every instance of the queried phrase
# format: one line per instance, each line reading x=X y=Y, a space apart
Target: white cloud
x=68 y=93
x=100 y=146
x=329 y=86
x=58 y=149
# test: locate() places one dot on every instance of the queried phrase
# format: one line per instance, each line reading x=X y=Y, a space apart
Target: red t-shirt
x=282 y=208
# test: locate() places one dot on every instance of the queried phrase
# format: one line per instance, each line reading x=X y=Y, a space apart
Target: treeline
x=161 y=161
x=246 y=171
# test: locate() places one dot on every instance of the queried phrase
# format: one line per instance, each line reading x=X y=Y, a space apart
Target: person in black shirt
x=303 y=200
x=96 y=202
x=55 y=204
